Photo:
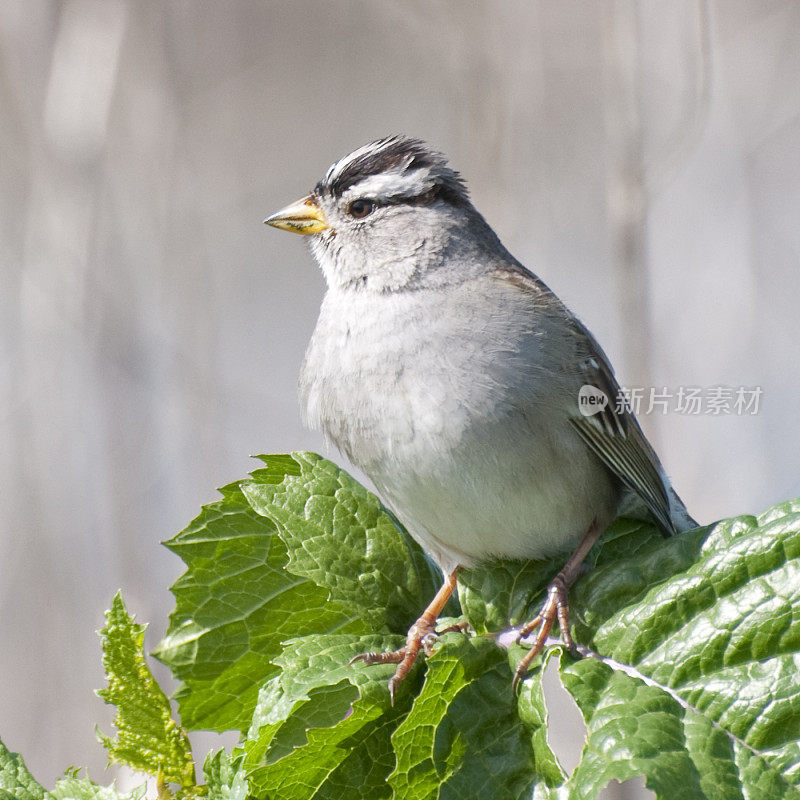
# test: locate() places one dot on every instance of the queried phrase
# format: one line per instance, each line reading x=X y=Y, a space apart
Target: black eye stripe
x=425 y=199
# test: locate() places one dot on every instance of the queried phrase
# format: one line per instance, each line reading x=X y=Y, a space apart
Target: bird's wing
x=615 y=436
x=613 y=433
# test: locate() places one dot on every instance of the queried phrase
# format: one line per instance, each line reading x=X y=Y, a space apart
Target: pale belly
x=471 y=477
x=513 y=494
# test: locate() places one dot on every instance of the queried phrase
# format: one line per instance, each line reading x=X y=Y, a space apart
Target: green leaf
x=16 y=783
x=722 y=633
x=635 y=728
x=236 y=603
x=691 y=649
x=339 y=536
x=148 y=739
x=464 y=738
x=15 y=780
x=326 y=727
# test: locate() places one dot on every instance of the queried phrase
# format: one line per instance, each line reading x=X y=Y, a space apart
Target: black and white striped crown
x=394 y=169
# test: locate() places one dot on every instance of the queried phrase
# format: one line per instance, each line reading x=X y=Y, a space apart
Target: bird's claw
x=421 y=636
x=556 y=607
x=392 y=657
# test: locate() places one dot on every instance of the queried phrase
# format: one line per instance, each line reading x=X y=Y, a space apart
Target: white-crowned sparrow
x=451 y=375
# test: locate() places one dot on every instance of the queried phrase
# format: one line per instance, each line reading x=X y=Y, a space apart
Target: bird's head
x=384 y=216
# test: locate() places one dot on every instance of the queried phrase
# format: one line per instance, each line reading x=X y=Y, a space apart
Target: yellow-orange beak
x=303 y=217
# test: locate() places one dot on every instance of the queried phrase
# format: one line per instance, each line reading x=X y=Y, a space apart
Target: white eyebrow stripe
x=394 y=183
x=372 y=148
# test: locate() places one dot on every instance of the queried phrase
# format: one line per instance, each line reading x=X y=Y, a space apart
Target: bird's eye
x=359 y=209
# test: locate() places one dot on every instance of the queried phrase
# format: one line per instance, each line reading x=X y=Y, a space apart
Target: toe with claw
x=422 y=635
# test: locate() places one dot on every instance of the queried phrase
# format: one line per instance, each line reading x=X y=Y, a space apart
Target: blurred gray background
x=643 y=158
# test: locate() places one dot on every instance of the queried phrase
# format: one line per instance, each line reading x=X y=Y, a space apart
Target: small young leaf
x=225 y=778
x=15 y=780
x=74 y=788
x=148 y=739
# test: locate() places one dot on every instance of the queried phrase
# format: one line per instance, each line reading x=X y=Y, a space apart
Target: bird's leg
x=556 y=607
x=420 y=637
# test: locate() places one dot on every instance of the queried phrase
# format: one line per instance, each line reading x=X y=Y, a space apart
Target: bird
x=484 y=412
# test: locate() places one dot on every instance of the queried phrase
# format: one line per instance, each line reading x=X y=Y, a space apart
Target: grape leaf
x=148 y=739
x=709 y=623
x=636 y=728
